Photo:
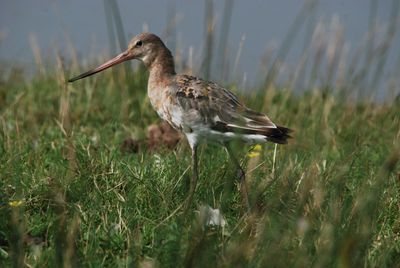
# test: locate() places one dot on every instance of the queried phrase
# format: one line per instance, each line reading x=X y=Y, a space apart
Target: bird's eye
x=139 y=44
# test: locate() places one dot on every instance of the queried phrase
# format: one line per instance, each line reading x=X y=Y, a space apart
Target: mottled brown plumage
x=202 y=110
x=215 y=102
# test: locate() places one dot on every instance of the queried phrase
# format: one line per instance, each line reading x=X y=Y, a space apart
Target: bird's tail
x=275 y=134
x=278 y=135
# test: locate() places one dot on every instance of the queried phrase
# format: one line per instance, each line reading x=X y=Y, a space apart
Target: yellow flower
x=16 y=203
x=255 y=151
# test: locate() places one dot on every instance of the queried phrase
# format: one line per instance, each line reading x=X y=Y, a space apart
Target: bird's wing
x=209 y=104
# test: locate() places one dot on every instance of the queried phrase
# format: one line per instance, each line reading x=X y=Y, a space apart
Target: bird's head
x=144 y=47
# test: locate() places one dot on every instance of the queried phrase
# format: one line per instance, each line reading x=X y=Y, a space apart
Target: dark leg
x=241 y=176
x=193 y=180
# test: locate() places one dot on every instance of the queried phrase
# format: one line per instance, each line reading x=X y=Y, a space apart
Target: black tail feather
x=278 y=135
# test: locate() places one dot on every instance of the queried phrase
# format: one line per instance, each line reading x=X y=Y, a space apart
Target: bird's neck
x=162 y=68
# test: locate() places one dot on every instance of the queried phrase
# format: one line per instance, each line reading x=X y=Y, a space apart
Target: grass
x=71 y=197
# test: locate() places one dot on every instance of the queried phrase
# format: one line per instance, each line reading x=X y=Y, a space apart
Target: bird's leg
x=241 y=176
x=193 y=180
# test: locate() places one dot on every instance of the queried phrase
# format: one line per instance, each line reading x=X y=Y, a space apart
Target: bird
x=203 y=111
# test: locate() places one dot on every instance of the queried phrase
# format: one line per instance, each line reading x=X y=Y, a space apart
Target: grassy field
x=73 y=195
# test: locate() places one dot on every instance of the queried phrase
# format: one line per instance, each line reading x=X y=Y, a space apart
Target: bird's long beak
x=124 y=56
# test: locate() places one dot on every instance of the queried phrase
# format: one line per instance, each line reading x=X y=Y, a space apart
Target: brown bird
x=202 y=110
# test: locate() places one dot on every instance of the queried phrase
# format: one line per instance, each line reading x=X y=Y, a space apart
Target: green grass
x=330 y=199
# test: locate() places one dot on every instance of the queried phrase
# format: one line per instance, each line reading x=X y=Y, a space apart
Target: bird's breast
x=166 y=106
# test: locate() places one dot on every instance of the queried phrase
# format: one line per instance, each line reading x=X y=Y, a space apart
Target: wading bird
x=202 y=110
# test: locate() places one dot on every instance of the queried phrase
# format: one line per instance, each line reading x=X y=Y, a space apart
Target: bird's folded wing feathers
x=220 y=109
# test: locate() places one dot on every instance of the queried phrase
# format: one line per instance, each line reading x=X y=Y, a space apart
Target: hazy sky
x=264 y=24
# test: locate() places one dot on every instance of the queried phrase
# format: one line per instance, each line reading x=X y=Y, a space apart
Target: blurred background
x=352 y=45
